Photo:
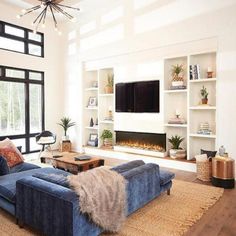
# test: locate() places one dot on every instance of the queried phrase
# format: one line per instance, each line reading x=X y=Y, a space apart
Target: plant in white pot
x=107 y=138
x=177 y=75
x=66 y=123
x=176 y=152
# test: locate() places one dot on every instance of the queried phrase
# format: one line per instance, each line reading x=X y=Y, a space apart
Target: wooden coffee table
x=68 y=163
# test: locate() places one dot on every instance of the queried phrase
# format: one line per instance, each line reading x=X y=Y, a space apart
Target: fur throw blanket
x=102 y=195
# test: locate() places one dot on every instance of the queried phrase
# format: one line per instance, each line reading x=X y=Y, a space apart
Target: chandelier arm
x=54 y=19
x=61 y=5
x=63 y=12
x=38 y=16
x=30 y=10
x=42 y=16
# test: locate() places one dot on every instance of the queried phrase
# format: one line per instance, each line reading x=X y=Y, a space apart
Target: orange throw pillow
x=10 y=152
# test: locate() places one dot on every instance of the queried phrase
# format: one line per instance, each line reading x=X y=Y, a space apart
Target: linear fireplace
x=141 y=143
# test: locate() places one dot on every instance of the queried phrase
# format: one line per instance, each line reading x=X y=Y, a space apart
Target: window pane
x=35 y=75
x=35 y=50
x=12 y=73
x=19 y=142
x=12 y=108
x=33 y=145
x=14 y=31
x=11 y=44
x=35 y=37
x=35 y=108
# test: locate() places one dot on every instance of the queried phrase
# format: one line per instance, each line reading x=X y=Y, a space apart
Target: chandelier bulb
x=35 y=31
x=23 y=11
x=56 y=29
x=59 y=33
x=18 y=16
x=43 y=25
x=73 y=19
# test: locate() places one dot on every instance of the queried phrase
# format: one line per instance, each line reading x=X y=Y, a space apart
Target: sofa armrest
x=51 y=208
x=143 y=185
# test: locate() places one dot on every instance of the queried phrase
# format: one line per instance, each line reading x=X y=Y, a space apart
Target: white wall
x=51 y=64
x=150 y=30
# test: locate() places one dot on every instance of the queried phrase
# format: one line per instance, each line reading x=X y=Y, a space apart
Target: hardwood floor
x=220 y=220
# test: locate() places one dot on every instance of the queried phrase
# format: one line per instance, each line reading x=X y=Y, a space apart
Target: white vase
x=177 y=153
x=177 y=83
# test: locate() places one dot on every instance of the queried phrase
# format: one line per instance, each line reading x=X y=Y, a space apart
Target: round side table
x=223 y=169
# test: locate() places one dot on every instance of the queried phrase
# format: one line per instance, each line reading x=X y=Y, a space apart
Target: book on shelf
x=194 y=72
x=177 y=121
x=178 y=87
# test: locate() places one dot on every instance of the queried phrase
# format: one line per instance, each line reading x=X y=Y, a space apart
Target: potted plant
x=176 y=152
x=177 y=75
x=109 y=86
x=204 y=95
x=107 y=138
x=66 y=123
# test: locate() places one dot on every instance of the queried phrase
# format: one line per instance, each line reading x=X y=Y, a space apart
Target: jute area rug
x=167 y=215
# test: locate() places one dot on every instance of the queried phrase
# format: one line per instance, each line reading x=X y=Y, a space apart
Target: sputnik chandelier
x=48 y=7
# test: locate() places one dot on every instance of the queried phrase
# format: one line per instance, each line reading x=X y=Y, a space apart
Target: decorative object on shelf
x=204 y=95
x=209 y=72
x=96 y=122
x=110 y=81
x=66 y=123
x=110 y=115
x=176 y=152
x=65 y=146
x=91 y=122
x=94 y=84
x=222 y=150
x=93 y=140
x=223 y=172
x=177 y=119
x=210 y=154
x=177 y=77
x=204 y=128
x=92 y=102
x=194 y=72
x=48 y=6
x=107 y=138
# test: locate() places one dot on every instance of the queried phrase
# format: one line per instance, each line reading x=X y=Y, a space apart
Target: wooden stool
x=223 y=172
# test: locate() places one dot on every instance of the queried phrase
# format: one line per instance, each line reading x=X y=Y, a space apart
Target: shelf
x=88 y=127
x=176 y=91
x=106 y=122
x=177 y=125
x=91 y=89
x=203 y=136
x=91 y=108
x=203 y=80
x=202 y=108
x=106 y=94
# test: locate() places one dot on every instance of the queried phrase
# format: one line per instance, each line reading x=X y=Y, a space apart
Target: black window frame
x=24 y=39
x=27 y=82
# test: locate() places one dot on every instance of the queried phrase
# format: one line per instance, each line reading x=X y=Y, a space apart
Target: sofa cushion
x=23 y=167
x=166 y=176
x=54 y=178
x=8 y=182
x=4 y=168
x=128 y=166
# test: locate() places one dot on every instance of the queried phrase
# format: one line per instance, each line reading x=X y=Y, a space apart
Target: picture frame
x=93 y=137
x=92 y=102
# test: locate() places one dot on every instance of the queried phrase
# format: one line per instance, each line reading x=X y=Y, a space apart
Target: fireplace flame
x=141 y=145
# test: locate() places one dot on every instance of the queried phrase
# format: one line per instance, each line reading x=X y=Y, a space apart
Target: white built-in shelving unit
x=187 y=102
x=104 y=102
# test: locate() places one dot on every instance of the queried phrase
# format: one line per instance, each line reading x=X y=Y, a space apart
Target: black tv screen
x=138 y=97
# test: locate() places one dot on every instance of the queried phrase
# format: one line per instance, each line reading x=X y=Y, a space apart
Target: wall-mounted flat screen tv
x=138 y=97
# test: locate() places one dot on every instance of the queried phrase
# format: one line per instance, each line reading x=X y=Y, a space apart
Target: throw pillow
x=10 y=152
x=4 y=168
x=209 y=153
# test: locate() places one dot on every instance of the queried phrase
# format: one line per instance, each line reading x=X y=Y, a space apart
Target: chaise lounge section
x=47 y=204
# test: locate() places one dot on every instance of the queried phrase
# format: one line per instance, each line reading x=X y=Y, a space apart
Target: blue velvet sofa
x=48 y=205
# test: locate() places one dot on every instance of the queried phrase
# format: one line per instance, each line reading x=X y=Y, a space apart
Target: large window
x=21 y=106
x=19 y=39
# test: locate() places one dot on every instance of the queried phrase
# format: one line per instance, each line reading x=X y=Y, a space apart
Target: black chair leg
x=168 y=192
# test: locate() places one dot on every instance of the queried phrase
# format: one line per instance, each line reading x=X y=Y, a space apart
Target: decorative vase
x=107 y=142
x=91 y=122
x=177 y=83
x=177 y=153
x=204 y=101
x=108 y=89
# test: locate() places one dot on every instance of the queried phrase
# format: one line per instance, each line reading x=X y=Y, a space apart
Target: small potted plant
x=177 y=75
x=107 y=138
x=176 y=152
x=204 y=95
x=110 y=81
x=66 y=123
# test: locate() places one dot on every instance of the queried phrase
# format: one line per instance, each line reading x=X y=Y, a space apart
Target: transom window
x=21 y=106
x=22 y=40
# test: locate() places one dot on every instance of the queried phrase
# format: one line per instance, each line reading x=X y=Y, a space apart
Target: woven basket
x=204 y=170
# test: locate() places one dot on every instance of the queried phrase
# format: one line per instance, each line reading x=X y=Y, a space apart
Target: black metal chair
x=46 y=139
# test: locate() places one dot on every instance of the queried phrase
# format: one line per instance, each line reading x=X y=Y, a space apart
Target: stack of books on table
x=177 y=121
x=194 y=72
